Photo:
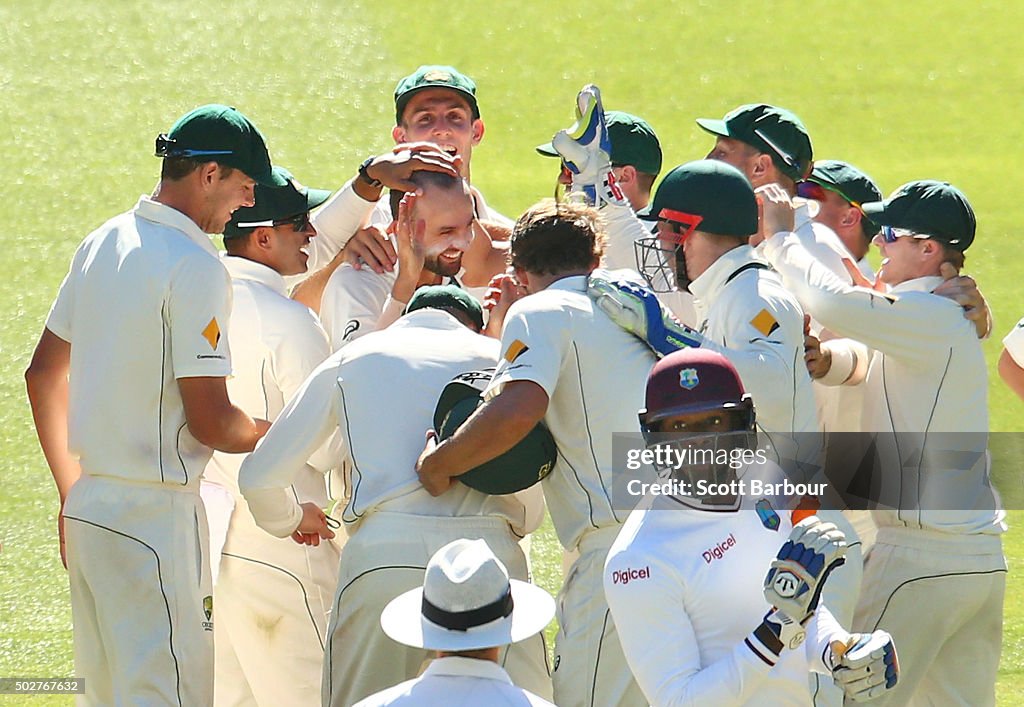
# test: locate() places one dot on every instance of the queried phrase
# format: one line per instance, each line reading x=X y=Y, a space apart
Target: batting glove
x=798 y=573
x=637 y=310
x=866 y=666
x=586 y=151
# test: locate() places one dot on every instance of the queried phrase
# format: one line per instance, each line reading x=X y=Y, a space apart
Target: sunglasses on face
x=890 y=234
x=818 y=192
x=299 y=222
x=681 y=223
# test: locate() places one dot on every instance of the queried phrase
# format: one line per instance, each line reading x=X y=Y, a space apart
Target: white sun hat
x=467 y=602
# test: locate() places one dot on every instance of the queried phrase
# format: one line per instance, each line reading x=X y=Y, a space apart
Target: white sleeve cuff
x=274 y=510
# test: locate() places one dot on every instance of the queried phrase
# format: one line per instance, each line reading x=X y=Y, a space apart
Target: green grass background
x=905 y=90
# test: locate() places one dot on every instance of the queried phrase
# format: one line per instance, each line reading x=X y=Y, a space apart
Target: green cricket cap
x=772 y=130
x=447 y=297
x=930 y=207
x=850 y=183
x=275 y=204
x=434 y=76
x=634 y=142
x=223 y=135
x=713 y=190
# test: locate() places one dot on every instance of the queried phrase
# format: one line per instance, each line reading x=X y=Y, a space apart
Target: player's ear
x=852 y=217
x=627 y=174
x=762 y=163
x=263 y=237
x=209 y=173
x=478 y=131
x=398 y=134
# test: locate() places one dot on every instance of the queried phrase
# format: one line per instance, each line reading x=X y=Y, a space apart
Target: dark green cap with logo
x=772 y=130
x=434 y=76
x=275 y=204
x=447 y=297
x=850 y=183
x=928 y=207
x=221 y=134
x=634 y=142
x=713 y=190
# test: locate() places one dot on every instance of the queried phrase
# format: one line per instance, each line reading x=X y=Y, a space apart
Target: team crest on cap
x=437 y=75
x=688 y=378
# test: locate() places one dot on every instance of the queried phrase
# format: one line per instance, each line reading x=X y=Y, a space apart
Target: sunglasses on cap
x=299 y=222
x=681 y=223
x=165 y=148
x=817 y=192
x=891 y=234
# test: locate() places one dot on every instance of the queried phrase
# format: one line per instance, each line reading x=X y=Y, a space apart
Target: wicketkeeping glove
x=586 y=151
x=637 y=310
x=866 y=666
x=793 y=584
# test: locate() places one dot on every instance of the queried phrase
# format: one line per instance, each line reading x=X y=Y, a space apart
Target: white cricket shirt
x=1014 y=343
x=276 y=343
x=457 y=682
x=750 y=318
x=380 y=392
x=595 y=375
x=145 y=302
x=927 y=375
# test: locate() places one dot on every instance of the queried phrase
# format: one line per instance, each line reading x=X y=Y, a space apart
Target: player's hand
x=502 y=292
x=858 y=279
x=817 y=359
x=410 y=232
x=797 y=575
x=60 y=537
x=585 y=149
x=963 y=290
x=637 y=310
x=776 y=210
x=866 y=666
x=393 y=169
x=432 y=476
x=372 y=247
x=313 y=526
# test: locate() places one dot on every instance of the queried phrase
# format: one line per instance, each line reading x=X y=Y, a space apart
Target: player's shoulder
x=352 y=280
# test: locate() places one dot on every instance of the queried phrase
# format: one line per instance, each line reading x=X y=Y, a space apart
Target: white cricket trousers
x=141 y=596
x=590 y=669
x=386 y=555
x=273 y=599
x=940 y=595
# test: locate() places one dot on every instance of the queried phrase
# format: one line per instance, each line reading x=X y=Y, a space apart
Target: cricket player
x=128 y=394
x=273 y=596
x=467 y=608
x=937 y=560
x=378 y=395
x=684 y=577
x=1011 y=361
x=565 y=362
x=435 y=105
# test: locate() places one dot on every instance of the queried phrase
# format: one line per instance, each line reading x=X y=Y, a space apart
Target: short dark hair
x=424 y=178
x=175 y=168
x=954 y=257
x=552 y=238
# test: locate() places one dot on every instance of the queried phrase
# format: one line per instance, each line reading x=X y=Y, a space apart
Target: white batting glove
x=866 y=666
x=793 y=584
x=637 y=310
x=586 y=150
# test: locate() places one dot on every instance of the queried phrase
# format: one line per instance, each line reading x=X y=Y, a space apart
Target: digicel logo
x=716 y=552
x=628 y=575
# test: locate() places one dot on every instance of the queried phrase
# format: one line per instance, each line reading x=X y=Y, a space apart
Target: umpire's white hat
x=467 y=602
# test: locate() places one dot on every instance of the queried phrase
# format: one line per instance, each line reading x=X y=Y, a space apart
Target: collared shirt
x=684 y=588
x=594 y=374
x=354 y=300
x=749 y=317
x=927 y=376
x=145 y=302
x=457 y=682
x=1014 y=343
x=380 y=392
x=277 y=342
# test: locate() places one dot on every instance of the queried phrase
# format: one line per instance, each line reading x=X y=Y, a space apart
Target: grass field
x=905 y=90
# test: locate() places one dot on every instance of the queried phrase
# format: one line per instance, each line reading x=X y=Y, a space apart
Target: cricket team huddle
x=305 y=469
